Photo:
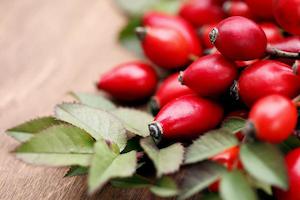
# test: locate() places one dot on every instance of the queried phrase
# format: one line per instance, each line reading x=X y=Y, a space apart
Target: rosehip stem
x=272 y=51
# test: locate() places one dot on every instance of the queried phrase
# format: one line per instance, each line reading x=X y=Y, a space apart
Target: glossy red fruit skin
x=157 y=19
x=272 y=32
x=187 y=117
x=267 y=77
x=131 y=81
x=274 y=118
x=201 y=12
x=166 y=48
x=290 y=44
x=287 y=14
x=204 y=35
x=292 y=160
x=239 y=38
x=210 y=76
x=261 y=9
x=237 y=8
x=229 y=159
x=170 y=89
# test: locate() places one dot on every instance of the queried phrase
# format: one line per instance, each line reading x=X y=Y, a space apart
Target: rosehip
x=210 y=75
x=267 y=77
x=292 y=160
x=272 y=32
x=237 y=8
x=287 y=14
x=239 y=38
x=131 y=81
x=204 y=35
x=186 y=117
x=200 y=12
x=169 y=89
x=229 y=159
x=290 y=44
x=156 y=19
x=261 y=9
x=274 y=118
x=165 y=47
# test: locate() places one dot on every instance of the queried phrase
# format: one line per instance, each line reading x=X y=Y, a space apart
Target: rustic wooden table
x=48 y=48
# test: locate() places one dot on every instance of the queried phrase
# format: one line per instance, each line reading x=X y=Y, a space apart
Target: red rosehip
x=237 y=8
x=131 y=81
x=274 y=118
x=186 y=117
x=200 y=12
x=229 y=159
x=210 y=75
x=169 y=89
x=204 y=35
x=261 y=9
x=272 y=32
x=290 y=44
x=292 y=161
x=165 y=47
x=267 y=77
x=287 y=14
x=239 y=38
x=156 y=19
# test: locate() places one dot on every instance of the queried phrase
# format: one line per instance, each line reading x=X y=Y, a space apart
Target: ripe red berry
x=204 y=35
x=169 y=89
x=201 y=12
x=237 y=8
x=272 y=32
x=229 y=159
x=210 y=75
x=261 y=9
x=274 y=118
x=292 y=161
x=156 y=19
x=165 y=47
x=131 y=81
x=239 y=38
x=290 y=44
x=267 y=77
x=287 y=14
x=186 y=117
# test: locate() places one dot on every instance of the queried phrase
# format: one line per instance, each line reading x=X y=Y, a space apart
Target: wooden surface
x=47 y=48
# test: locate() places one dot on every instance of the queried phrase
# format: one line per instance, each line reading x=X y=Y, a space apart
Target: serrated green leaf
x=135 y=121
x=76 y=171
x=166 y=160
x=234 y=124
x=289 y=144
x=27 y=130
x=165 y=187
x=98 y=123
x=94 y=100
x=136 y=181
x=265 y=163
x=198 y=177
x=60 y=145
x=107 y=164
x=234 y=186
x=209 y=145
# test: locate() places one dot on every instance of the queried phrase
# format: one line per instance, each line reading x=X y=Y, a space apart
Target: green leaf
x=135 y=7
x=166 y=160
x=27 y=130
x=198 y=177
x=289 y=144
x=76 y=171
x=265 y=163
x=234 y=124
x=135 y=121
x=234 y=186
x=128 y=38
x=209 y=145
x=211 y=196
x=168 y=6
x=107 y=164
x=61 y=145
x=94 y=100
x=133 y=144
x=98 y=123
x=165 y=187
x=267 y=188
x=136 y=181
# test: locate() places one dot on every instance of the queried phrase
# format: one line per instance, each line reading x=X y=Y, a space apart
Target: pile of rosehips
x=222 y=61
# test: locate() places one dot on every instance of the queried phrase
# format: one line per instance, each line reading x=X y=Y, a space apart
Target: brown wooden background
x=47 y=48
